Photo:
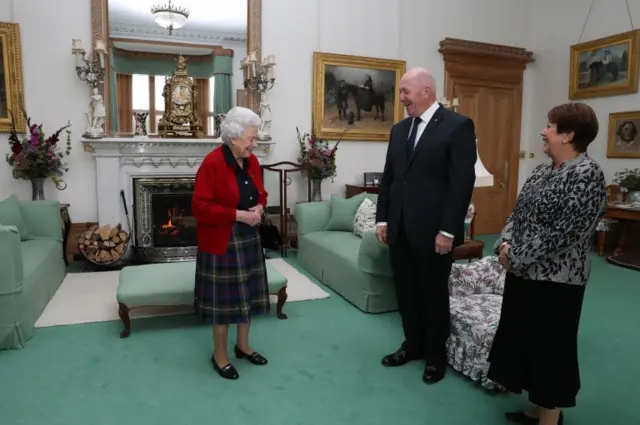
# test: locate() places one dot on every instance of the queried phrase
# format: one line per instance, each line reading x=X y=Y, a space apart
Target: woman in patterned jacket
x=545 y=249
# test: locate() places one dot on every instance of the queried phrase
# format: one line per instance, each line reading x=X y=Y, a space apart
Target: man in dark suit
x=425 y=191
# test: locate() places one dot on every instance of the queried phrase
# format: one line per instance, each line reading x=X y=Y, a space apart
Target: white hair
x=422 y=77
x=236 y=122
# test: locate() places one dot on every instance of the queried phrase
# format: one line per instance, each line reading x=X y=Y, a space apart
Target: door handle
x=506 y=175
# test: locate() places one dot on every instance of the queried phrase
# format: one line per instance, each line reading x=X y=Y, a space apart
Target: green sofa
x=357 y=268
x=31 y=264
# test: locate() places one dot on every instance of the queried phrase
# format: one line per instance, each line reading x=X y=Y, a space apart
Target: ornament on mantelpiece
x=141 y=124
x=96 y=116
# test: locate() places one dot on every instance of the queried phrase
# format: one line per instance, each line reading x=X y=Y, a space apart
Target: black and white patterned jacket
x=551 y=227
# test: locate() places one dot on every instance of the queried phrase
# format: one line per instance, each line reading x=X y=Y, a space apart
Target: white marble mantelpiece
x=142 y=148
x=121 y=159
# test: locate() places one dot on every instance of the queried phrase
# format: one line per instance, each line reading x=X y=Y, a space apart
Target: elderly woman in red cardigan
x=228 y=202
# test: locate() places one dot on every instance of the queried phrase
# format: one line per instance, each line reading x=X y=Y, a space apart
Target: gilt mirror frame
x=12 y=74
x=100 y=31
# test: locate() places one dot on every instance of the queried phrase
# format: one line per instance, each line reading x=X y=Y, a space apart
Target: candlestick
x=259 y=77
x=90 y=68
x=76 y=44
x=100 y=46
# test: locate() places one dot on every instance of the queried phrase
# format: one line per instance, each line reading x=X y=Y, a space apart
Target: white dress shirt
x=426 y=117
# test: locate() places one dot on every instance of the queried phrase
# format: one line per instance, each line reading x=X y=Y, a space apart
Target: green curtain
x=222 y=95
x=113 y=94
x=161 y=67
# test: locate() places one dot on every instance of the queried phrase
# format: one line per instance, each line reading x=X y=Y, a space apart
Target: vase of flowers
x=36 y=157
x=629 y=181
x=318 y=160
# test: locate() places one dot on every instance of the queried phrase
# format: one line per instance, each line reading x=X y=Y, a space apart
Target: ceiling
x=221 y=17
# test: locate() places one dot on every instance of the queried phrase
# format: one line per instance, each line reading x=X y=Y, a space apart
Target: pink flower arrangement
x=317 y=156
x=36 y=156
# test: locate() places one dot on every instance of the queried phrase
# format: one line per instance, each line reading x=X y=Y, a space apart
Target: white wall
x=53 y=93
x=395 y=29
x=292 y=30
x=558 y=26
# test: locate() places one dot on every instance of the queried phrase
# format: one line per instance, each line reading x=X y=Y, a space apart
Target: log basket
x=103 y=245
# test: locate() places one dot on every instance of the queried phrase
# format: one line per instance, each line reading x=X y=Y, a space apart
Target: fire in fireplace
x=173 y=223
x=165 y=229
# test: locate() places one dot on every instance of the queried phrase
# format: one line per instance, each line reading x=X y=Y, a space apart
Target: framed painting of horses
x=357 y=94
x=604 y=67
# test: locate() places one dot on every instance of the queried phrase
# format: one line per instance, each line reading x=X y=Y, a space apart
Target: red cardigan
x=215 y=199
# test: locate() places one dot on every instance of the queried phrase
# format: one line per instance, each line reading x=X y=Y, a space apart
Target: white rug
x=91 y=297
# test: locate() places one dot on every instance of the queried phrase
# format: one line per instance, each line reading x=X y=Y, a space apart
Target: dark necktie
x=411 y=141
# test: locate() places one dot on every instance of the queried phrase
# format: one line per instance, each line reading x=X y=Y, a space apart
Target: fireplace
x=165 y=229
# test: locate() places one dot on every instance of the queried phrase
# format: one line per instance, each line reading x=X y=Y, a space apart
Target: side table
x=66 y=229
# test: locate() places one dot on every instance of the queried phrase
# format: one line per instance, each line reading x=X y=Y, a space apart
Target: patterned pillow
x=365 y=218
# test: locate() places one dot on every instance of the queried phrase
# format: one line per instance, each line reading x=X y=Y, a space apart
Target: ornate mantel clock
x=180 y=118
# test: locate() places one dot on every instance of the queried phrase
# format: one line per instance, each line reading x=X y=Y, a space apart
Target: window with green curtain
x=222 y=72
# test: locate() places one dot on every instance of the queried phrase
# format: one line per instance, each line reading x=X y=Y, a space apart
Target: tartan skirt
x=231 y=288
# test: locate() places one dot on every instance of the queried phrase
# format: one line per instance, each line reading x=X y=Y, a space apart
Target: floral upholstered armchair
x=475 y=294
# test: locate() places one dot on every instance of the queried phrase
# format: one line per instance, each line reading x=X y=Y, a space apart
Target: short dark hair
x=577 y=118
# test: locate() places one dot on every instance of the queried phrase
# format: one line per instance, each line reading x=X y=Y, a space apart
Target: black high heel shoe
x=227 y=372
x=254 y=358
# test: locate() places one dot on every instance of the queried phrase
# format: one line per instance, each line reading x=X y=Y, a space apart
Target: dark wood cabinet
x=353 y=190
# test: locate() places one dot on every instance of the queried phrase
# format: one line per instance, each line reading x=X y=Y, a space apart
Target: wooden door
x=487 y=80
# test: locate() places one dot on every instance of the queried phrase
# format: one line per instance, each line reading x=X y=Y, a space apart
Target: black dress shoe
x=433 y=372
x=521 y=418
x=399 y=358
x=254 y=357
x=227 y=372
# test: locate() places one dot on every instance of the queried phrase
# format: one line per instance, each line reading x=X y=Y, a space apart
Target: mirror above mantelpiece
x=140 y=53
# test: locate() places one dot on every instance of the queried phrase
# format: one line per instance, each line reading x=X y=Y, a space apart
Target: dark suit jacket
x=432 y=192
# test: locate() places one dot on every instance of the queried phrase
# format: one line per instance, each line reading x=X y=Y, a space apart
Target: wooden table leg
x=123 y=312
x=66 y=229
x=282 y=298
x=623 y=242
x=602 y=238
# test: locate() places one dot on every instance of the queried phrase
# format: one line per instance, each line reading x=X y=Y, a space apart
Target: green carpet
x=324 y=369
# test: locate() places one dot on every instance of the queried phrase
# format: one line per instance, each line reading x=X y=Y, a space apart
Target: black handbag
x=269 y=234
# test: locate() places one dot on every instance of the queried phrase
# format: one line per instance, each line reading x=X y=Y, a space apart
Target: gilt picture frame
x=604 y=67
x=623 y=139
x=11 y=90
x=354 y=97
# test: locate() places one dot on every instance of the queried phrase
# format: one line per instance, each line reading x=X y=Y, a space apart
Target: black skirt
x=535 y=348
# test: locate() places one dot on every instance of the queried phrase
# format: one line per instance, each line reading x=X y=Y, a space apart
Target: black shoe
x=434 y=372
x=227 y=372
x=399 y=358
x=254 y=357
x=521 y=418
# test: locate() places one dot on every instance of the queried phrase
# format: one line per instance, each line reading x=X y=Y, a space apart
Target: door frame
x=495 y=66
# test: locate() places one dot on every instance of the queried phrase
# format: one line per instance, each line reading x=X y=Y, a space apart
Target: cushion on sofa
x=11 y=215
x=476 y=317
x=343 y=210
x=365 y=218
